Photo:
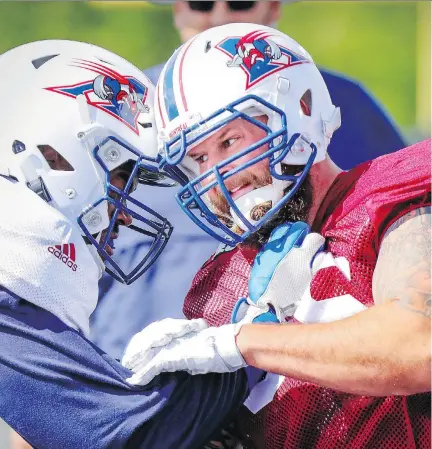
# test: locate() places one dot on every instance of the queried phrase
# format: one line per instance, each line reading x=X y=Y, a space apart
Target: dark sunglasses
x=233 y=6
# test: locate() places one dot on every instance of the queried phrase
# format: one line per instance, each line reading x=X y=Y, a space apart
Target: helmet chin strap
x=254 y=205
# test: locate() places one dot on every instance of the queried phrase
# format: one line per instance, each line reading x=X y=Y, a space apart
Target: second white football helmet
x=93 y=111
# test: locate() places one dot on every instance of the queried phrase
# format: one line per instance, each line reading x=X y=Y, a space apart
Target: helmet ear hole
x=306 y=103
x=54 y=159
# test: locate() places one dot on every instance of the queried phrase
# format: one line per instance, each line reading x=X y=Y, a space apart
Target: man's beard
x=296 y=209
x=218 y=200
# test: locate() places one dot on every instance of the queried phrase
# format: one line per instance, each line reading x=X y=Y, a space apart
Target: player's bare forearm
x=384 y=350
x=379 y=352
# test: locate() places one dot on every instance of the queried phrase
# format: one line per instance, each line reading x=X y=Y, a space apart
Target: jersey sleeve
x=60 y=390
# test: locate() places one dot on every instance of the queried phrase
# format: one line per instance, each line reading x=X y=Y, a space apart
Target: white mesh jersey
x=44 y=259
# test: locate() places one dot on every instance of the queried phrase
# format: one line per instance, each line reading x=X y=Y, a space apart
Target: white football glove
x=197 y=351
x=185 y=345
x=145 y=344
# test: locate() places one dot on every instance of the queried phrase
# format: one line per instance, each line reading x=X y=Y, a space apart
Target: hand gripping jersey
x=354 y=216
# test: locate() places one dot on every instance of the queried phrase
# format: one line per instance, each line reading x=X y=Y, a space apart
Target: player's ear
x=55 y=160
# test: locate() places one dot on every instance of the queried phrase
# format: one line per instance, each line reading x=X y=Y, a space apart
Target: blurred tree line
x=383 y=44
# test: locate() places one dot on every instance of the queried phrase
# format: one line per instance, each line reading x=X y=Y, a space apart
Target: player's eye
x=228 y=142
x=201 y=159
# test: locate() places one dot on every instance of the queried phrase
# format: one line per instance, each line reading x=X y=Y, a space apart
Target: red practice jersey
x=358 y=209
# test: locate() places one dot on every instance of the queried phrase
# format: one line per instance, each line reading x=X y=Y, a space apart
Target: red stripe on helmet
x=181 y=75
x=159 y=105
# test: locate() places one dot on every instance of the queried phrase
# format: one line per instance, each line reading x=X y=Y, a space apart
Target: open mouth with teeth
x=241 y=190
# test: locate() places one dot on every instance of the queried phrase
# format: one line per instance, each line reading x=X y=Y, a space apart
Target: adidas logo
x=65 y=253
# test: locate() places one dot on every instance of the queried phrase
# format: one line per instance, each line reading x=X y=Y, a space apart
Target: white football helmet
x=242 y=71
x=93 y=110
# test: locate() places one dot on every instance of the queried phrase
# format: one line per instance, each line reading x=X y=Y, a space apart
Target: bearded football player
x=245 y=120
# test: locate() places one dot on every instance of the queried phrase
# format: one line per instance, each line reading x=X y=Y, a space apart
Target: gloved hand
x=193 y=347
x=283 y=269
x=145 y=344
x=185 y=345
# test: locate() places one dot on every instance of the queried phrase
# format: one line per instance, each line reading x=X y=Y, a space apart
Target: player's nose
x=124 y=219
x=213 y=162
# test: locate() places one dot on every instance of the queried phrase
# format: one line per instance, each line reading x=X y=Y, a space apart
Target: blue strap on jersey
x=282 y=240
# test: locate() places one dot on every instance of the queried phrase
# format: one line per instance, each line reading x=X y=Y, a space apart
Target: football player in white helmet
x=244 y=121
x=78 y=136
x=276 y=97
x=67 y=158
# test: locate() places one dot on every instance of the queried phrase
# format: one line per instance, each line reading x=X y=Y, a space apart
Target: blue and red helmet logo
x=123 y=97
x=258 y=56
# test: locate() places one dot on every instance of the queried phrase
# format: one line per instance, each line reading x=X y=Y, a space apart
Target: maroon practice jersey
x=354 y=216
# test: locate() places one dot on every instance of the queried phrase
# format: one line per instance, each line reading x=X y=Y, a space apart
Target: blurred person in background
x=366 y=130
